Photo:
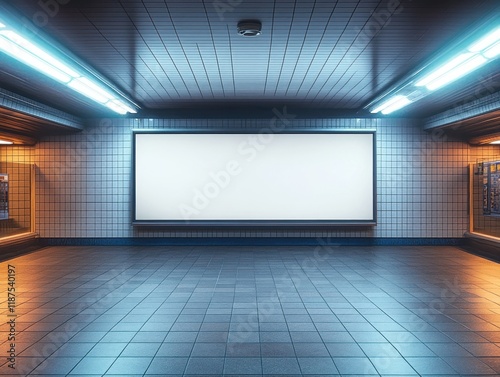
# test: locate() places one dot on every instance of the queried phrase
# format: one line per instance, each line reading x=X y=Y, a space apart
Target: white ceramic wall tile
x=84 y=181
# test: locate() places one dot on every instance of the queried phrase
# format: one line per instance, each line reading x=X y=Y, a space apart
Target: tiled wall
x=84 y=181
x=16 y=162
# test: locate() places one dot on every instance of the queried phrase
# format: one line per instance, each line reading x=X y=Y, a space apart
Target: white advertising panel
x=237 y=177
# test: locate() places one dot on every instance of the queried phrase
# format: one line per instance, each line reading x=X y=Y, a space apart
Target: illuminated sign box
x=245 y=179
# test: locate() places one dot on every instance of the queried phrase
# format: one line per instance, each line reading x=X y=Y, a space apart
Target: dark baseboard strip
x=482 y=247
x=19 y=247
x=244 y=241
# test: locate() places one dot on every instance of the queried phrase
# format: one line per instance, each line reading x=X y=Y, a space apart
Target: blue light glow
x=35 y=56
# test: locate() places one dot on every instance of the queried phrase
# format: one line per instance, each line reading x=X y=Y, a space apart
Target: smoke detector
x=249 y=28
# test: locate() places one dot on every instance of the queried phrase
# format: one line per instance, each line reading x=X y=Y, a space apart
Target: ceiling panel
x=27 y=129
x=476 y=130
x=321 y=54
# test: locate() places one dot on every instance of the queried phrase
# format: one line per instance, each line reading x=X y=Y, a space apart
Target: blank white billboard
x=239 y=178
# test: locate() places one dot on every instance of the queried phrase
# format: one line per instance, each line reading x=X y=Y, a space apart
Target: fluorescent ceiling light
x=462 y=63
x=89 y=89
x=463 y=69
x=391 y=105
x=486 y=41
x=5 y=142
x=493 y=51
x=479 y=53
x=385 y=105
x=33 y=61
x=34 y=50
x=77 y=78
x=495 y=142
x=399 y=104
x=119 y=107
x=444 y=69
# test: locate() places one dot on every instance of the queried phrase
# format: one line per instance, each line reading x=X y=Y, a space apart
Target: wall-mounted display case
x=17 y=199
x=484 y=199
x=491 y=188
x=4 y=196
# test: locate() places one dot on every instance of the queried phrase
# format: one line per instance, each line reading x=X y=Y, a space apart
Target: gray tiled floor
x=241 y=311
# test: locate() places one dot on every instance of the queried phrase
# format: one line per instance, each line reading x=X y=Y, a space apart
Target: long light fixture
x=6 y=142
x=470 y=58
x=65 y=71
x=393 y=104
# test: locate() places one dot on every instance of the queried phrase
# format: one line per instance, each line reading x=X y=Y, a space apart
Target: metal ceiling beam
x=465 y=110
x=18 y=103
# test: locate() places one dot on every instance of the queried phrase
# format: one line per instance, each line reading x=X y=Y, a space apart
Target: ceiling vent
x=249 y=28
